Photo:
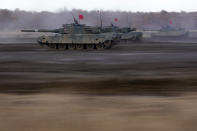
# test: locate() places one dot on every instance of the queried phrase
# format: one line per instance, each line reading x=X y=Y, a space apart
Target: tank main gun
x=70 y=29
x=59 y=31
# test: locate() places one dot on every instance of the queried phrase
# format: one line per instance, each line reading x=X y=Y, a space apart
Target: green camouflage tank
x=126 y=32
x=80 y=36
x=168 y=31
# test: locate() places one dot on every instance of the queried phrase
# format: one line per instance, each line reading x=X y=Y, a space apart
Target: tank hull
x=172 y=34
x=132 y=36
x=80 y=41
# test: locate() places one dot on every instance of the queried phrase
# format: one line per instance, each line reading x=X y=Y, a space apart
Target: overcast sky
x=123 y=5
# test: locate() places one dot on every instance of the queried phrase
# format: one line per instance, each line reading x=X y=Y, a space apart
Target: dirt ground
x=55 y=112
x=147 y=86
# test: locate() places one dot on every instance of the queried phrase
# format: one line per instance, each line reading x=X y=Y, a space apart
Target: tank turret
x=70 y=29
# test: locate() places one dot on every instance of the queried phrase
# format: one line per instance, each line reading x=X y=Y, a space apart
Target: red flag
x=116 y=19
x=170 y=22
x=81 y=17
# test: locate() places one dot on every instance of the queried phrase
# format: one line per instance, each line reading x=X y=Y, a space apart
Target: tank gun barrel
x=42 y=30
x=29 y=31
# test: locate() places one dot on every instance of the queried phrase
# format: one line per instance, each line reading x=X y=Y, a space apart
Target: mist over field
x=18 y=19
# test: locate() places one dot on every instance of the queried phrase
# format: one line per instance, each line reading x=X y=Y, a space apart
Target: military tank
x=169 y=32
x=126 y=33
x=80 y=36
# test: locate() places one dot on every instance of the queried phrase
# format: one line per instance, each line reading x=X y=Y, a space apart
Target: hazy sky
x=124 y=5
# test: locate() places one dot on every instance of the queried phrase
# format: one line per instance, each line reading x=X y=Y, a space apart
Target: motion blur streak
x=134 y=86
x=55 y=112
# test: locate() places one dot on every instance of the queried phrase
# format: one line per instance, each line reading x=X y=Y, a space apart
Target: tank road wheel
x=66 y=47
x=134 y=39
x=139 y=38
x=100 y=46
x=51 y=45
x=47 y=44
x=61 y=46
x=42 y=44
x=80 y=46
x=90 y=46
x=56 y=46
x=71 y=47
x=107 y=44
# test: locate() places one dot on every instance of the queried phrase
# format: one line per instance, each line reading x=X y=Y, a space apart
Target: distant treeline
x=18 y=19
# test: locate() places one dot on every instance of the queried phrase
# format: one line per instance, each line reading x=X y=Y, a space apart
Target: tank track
x=71 y=46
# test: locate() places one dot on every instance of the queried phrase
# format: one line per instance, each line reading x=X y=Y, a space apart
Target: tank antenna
x=75 y=20
x=101 y=19
x=128 y=21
